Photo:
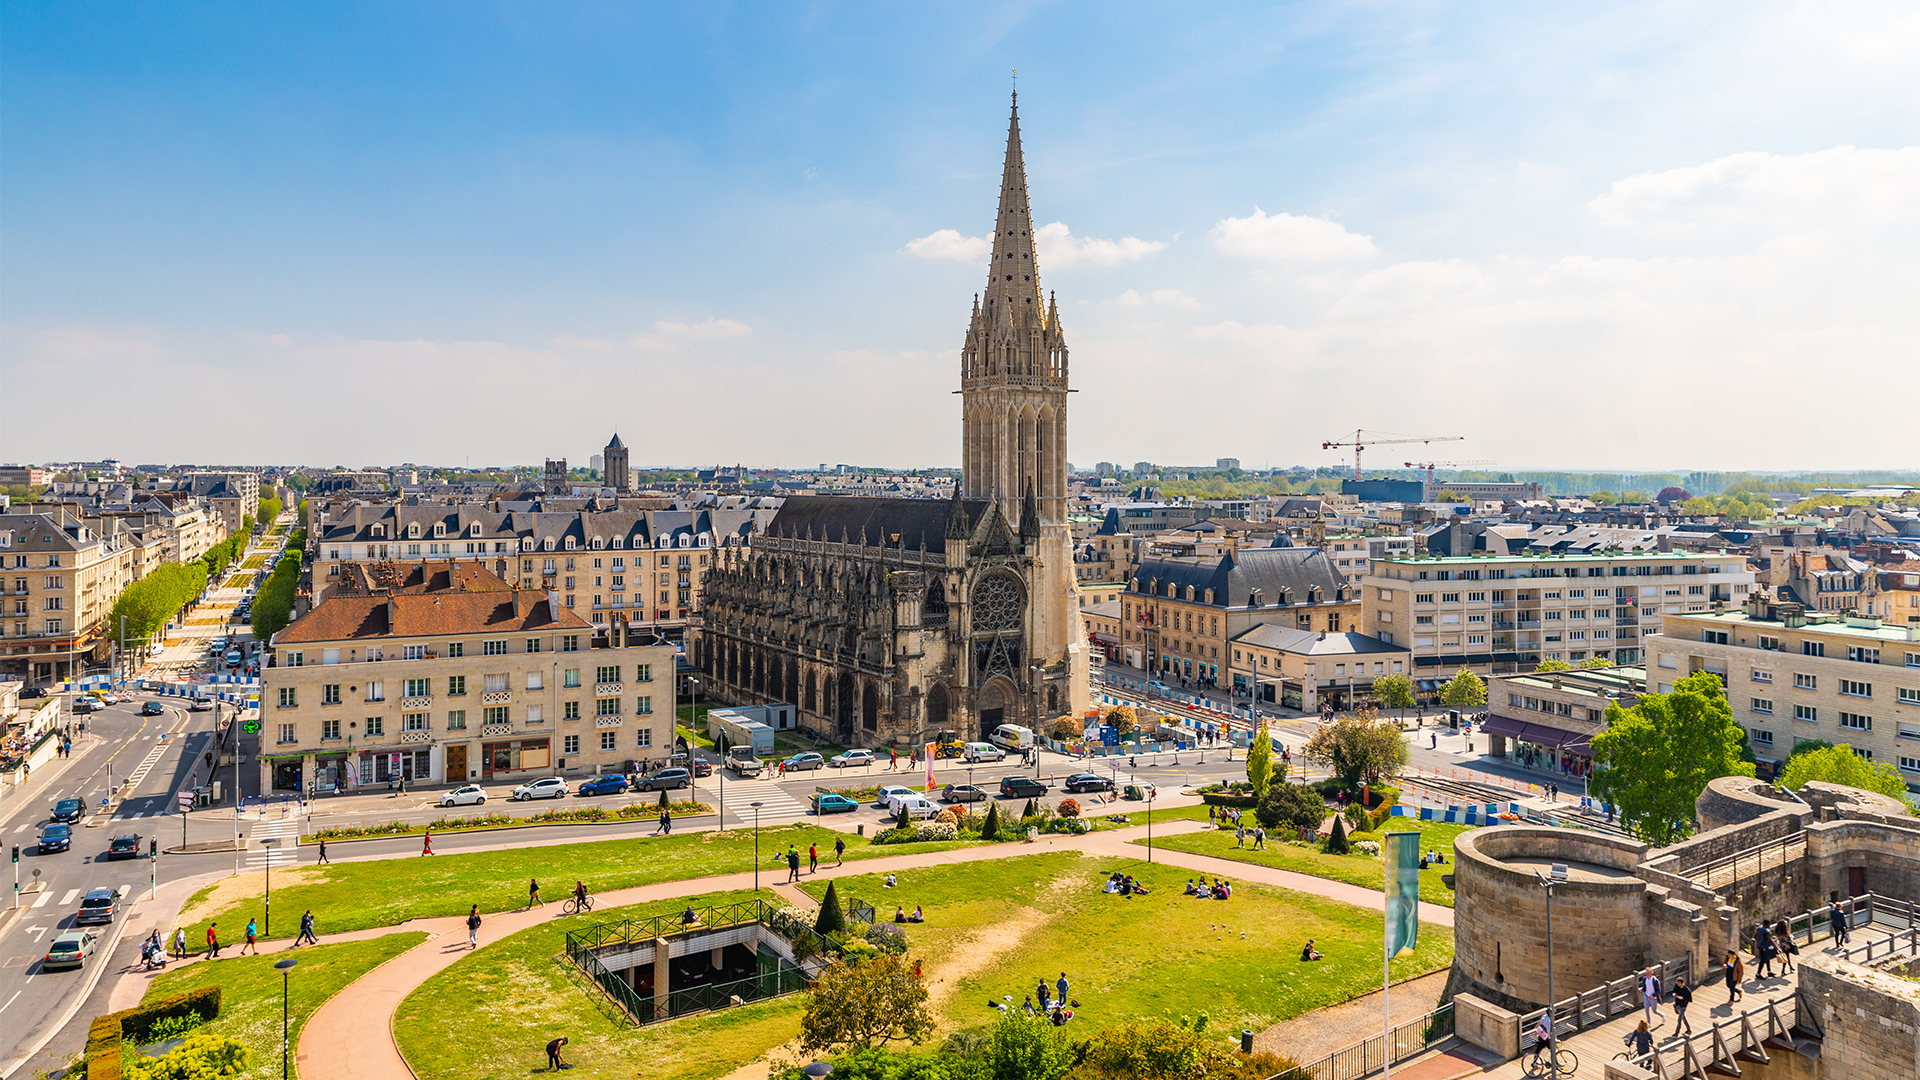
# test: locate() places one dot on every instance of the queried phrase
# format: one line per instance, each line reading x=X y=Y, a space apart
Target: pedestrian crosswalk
x=141 y=770
x=285 y=834
x=776 y=806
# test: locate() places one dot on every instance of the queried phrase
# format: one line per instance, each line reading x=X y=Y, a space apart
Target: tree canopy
x=1359 y=748
x=148 y=604
x=1393 y=692
x=876 y=1000
x=1840 y=765
x=1260 y=761
x=1464 y=691
x=1295 y=806
x=1655 y=759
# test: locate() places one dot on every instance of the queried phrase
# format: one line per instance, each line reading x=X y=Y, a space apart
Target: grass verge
x=250 y=991
x=1362 y=870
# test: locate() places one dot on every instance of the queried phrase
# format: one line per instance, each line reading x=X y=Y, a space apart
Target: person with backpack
x=839 y=850
x=473 y=927
x=1650 y=995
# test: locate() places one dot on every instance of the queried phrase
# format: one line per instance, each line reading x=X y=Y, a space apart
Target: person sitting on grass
x=687 y=917
x=899 y=914
x=1191 y=891
x=890 y=881
x=1308 y=952
x=918 y=915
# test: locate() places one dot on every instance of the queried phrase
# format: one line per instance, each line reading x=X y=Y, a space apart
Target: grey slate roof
x=916 y=522
x=1276 y=573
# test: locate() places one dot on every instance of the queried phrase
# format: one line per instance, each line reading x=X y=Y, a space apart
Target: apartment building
x=1899 y=596
x=1793 y=674
x=59 y=578
x=1545 y=721
x=452 y=675
x=1354 y=554
x=1499 y=614
x=1180 y=612
x=234 y=495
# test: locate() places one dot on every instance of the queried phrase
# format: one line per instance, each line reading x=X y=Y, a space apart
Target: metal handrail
x=1754 y=853
x=1591 y=1008
x=1368 y=1055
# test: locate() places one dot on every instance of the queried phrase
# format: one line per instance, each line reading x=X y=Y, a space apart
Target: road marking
x=34 y=932
x=69 y=898
x=42 y=902
x=11 y=1000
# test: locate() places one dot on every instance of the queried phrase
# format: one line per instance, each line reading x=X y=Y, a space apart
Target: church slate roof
x=1234 y=577
x=879 y=520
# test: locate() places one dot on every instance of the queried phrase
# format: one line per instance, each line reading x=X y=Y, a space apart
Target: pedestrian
x=533 y=894
x=180 y=942
x=473 y=927
x=1259 y=838
x=1838 y=922
x=426 y=843
x=1783 y=938
x=1763 y=951
x=1639 y=1041
x=1650 y=995
x=554 y=1061
x=1062 y=987
x=793 y=864
x=1213 y=813
x=1682 y=997
x=306 y=930
x=1433 y=740
x=1239 y=836
x=1045 y=995
x=813 y=858
x=213 y=941
x=839 y=850
x=323 y=850
x=893 y=759
x=1731 y=972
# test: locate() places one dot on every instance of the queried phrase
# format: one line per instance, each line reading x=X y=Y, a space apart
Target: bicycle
x=1545 y=1067
x=576 y=905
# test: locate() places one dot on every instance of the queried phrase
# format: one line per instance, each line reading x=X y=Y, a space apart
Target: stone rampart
x=1734 y=800
x=1869 y=1020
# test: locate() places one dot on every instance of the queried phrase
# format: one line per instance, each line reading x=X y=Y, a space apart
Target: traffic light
x=153 y=849
x=16 y=853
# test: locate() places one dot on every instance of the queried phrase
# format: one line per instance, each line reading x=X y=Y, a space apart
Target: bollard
x=1246 y=1041
x=860 y=829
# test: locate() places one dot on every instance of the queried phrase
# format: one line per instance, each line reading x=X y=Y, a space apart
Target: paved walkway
x=370 y=1003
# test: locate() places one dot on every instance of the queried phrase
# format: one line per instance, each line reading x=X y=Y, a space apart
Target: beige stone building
x=1545 y=721
x=1275 y=664
x=60 y=578
x=1503 y=614
x=234 y=495
x=445 y=673
x=1793 y=674
x=1899 y=595
x=1181 y=611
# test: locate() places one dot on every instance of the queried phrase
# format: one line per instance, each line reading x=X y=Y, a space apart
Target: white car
x=851 y=758
x=979 y=751
x=201 y=704
x=880 y=798
x=467 y=795
x=547 y=787
x=916 y=805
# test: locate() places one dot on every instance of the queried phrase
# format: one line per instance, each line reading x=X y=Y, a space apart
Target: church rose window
x=996 y=604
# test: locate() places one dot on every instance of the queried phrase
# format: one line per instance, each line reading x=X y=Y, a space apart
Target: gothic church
x=886 y=621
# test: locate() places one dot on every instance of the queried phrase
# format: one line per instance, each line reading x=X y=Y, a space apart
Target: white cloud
x=1058 y=248
x=1289 y=238
x=662 y=335
x=949 y=244
x=1757 y=194
x=1162 y=297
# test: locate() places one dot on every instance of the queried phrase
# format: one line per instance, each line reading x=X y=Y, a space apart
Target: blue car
x=612 y=784
x=56 y=837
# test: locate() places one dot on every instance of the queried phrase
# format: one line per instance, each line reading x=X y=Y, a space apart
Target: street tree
x=1260 y=761
x=1545 y=666
x=1123 y=719
x=1655 y=759
x=1394 y=692
x=868 y=1003
x=1359 y=748
x=1840 y=765
x=1464 y=691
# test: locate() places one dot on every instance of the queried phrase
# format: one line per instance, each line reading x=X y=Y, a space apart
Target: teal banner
x=1402 y=855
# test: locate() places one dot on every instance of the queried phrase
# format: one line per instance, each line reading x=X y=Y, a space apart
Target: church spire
x=1013 y=282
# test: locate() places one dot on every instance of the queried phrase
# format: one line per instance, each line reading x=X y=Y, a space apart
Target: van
x=1012 y=737
x=918 y=806
x=979 y=751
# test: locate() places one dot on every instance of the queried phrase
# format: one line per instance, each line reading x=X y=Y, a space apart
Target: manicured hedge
x=106 y=1033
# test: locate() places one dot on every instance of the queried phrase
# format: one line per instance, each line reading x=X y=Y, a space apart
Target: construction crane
x=1360 y=442
x=1429 y=466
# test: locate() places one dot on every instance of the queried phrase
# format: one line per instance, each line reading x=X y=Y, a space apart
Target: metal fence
x=1370 y=1055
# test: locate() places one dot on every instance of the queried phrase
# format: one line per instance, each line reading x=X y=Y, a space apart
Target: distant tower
x=617 y=476
x=556 y=480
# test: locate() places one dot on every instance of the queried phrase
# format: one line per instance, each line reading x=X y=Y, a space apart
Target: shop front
x=288 y=773
x=515 y=756
x=332 y=772
x=1544 y=748
x=385 y=766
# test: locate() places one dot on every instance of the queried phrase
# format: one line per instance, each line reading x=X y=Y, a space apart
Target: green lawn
x=1353 y=869
x=250 y=990
x=489 y=1016
x=361 y=895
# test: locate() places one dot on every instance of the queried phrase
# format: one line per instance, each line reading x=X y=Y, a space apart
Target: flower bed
x=583 y=815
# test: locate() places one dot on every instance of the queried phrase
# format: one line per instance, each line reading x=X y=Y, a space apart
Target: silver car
x=547 y=787
x=465 y=795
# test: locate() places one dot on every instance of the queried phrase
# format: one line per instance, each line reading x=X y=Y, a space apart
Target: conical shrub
x=990 y=828
x=1337 y=840
x=832 y=920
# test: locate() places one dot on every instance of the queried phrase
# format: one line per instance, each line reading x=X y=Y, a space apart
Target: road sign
x=186 y=801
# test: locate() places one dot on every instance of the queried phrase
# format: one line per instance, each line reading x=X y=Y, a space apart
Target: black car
x=1015 y=787
x=153 y=708
x=664 y=779
x=32 y=692
x=1087 y=781
x=68 y=810
x=124 y=846
x=55 y=837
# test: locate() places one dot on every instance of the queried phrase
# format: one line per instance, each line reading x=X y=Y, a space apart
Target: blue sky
x=493 y=233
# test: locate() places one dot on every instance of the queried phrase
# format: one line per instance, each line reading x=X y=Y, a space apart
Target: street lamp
x=756 y=846
x=1151 y=792
x=269 y=843
x=1559 y=877
x=286 y=987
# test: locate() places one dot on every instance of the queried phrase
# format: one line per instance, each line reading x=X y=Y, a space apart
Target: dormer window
x=598 y=543
x=570 y=543
x=619 y=542
x=378 y=532
x=549 y=543
x=526 y=543
x=473 y=529
x=705 y=540
x=413 y=531
x=439 y=529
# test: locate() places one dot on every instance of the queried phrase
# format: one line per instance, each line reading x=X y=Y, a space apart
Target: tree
x=1022 y=1047
x=1155 y=1048
x=1066 y=727
x=1295 y=806
x=1592 y=662
x=863 y=1004
x=1464 y=691
x=1655 y=759
x=1359 y=748
x=1394 y=692
x=1450 y=497
x=1260 y=761
x=269 y=510
x=1840 y=765
x=1673 y=495
x=990 y=828
x=832 y=919
x=1551 y=665
x=1123 y=719
x=1337 y=842
x=1032 y=809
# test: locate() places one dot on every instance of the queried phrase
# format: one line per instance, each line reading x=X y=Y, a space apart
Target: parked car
x=849 y=758
x=201 y=704
x=235 y=658
x=96 y=907
x=68 y=810
x=547 y=787
x=828 y=802
x=88 y=705
x=69 y=950
x=887 y=791
x=962 y=793
x=32 y=692
x=153 y=708
x=124 y=846
x=916 y=805
x=464 y=795
x=55 y=837
x=698 y=767
x=979 y=751
x=1016 y=787
x=610 y=784
x=803 y=762
x=664 y=780
x=1087 y=781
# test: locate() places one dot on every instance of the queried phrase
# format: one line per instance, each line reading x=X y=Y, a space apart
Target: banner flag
x=1401 y=852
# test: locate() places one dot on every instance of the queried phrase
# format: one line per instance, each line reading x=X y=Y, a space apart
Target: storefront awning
x=1537 y=734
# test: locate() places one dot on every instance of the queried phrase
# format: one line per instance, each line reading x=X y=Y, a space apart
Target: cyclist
x=1543 y=1040
x=580 y=895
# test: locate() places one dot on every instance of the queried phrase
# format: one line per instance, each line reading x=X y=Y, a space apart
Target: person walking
x=180 y=942
x=1240 y=836
x=1213 y=814
x=1259 y=838
x=1682 y=997
x=1783 y=939
x=1639 y=1041
x=1763 y=951
x=1650 y=995
x=1837 y=920
x=426 y=843
x=473 y=927
x=533 y=894
x=213 y=941
x=813 y=858
x=323 y=851
x=306 y=930
x=839 y=850
x=793 y=864
x=1730 y=968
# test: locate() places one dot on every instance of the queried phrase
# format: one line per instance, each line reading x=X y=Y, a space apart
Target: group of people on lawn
x=1219 y=890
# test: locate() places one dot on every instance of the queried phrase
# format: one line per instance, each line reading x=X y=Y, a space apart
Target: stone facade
x=1869 y=1020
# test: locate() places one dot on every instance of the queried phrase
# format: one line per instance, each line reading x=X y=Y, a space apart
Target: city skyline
x=1313 y=219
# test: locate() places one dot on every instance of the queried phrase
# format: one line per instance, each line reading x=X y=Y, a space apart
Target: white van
x=918 y=806
x=1012 y=737
x=979 y=751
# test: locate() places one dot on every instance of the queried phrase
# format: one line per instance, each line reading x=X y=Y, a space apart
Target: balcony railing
x=496 y=697
x=496 y=729
x=416 y=736
x=606 y=721
x=416 y=704
x=607 y=689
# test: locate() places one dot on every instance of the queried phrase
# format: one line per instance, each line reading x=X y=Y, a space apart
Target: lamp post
x=756 y=846
x=1559 y=876
x=269 y=843
x=286 y=987
x=1151 y=792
